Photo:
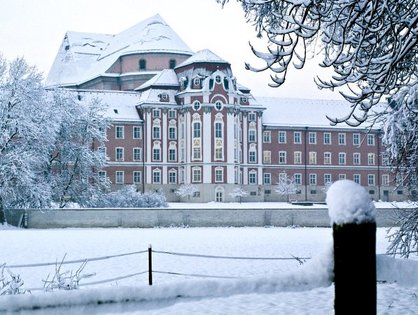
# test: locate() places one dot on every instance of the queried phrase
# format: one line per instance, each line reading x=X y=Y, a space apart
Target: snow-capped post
x=149 y=264
x=352 y=215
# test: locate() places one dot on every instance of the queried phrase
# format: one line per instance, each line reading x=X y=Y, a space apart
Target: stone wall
x=164 y=217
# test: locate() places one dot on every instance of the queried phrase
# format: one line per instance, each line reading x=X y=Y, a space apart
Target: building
x=181 y=117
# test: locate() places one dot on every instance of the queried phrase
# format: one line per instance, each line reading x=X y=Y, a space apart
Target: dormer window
x=142 y=64
x=163 y=97
x=172 y=63
x=218 y=79
x=244 y=99
x=196 y=83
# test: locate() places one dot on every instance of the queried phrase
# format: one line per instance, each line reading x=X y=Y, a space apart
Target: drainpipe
x=305 y=157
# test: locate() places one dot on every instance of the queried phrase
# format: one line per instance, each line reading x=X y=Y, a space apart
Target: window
x=385 y=180
x=172 y=177
x=251 y=117
x=137 y=176
x=219 y=194
x=327 y=138
x=137 y=132
x=172 y=114
x=370 y=179
x=156 y=113
x=172 y=153
x=297 y=137
x=120 y=177
x=219 y=175
x=341 y=138
x=119 y=154
x=370 y=139
x=297 y=177
x=252 y=156
x=142 y=64
x=218 y=105
x=196 y=129
x=251 y=135
x=197 y=175
x=327 y=158
x=312 y=138
x=137 y=154
x=119 y=134
x=196 y=153
x=356 y=139
x=156 y=176
x=342 y=176
x=341 y=158
x=218 y=130
x=357 y=179
x=102 y=176
x=282 y=136
x=267 y=137
x=312 y=179
x=252 y=178
x=196 y=82
x=219 y=153
x=156 y=132
x=327 y=179
x=282 y=157
x=172 y=133
x=164 y=97
x=356 y=159
x=267 y=157
x=156 y=154
x=312 y=158
x=371 y=159
x=196 y=105
x=172 y=63
x=297 y=157
x=267 y=178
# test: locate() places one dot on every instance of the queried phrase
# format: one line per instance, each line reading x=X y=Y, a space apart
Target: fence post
x=149 y=264
x=352 y=215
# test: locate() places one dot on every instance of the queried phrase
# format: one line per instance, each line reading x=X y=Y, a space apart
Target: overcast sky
x=34 y=29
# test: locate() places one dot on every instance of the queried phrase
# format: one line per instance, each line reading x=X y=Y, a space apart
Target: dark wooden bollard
x=352 y=214
x=355 y=268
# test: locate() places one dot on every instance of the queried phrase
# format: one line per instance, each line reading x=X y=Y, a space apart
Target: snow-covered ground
x=258 y=286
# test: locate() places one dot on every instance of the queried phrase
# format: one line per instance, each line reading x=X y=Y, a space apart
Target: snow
x=349 y=202
x=203 y=56
x=85 y=56
x=294 y=112
x=263 y=286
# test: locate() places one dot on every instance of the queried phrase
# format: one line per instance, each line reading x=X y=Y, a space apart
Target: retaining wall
x=163 y=217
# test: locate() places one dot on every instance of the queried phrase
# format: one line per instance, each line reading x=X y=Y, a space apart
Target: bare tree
x=286 y=185
x=186 y=190
x=370 y=45
x=238 y=192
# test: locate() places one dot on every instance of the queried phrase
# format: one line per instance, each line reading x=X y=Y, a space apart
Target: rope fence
x=150 y=270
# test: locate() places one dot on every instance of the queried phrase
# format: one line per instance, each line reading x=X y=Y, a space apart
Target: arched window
x=142 y=64
x=219 y=194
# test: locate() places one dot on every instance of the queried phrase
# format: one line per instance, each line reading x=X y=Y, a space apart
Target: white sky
x=34 y=29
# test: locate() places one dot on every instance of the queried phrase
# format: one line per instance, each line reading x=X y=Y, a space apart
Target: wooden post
x=150 y=264
x=352 y=214
x=355 y=268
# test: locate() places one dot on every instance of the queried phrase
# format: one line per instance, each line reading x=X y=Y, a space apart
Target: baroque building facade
x=180 y=117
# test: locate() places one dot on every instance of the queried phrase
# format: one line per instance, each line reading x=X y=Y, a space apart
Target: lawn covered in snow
x=254 y=286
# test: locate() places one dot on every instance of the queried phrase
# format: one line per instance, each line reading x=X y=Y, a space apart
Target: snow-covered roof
x=121 y=106
x=295 y=112
x=165 y=78
x=85 y=56
x=203 y=56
